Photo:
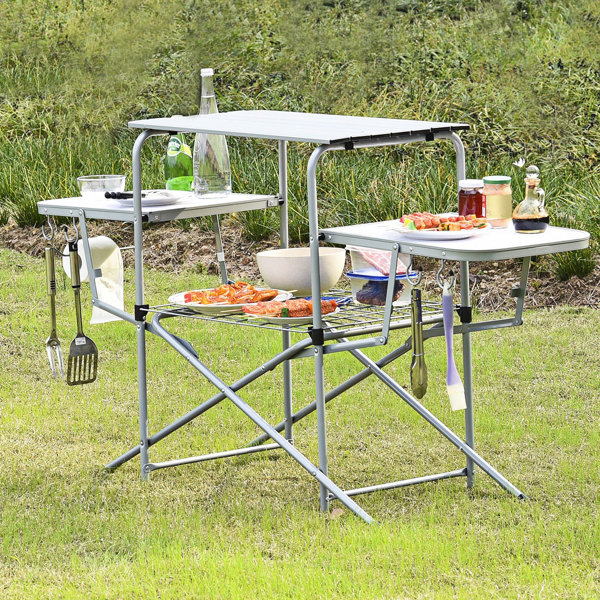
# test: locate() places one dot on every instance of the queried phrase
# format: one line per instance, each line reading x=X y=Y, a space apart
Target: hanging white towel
x=106 y=257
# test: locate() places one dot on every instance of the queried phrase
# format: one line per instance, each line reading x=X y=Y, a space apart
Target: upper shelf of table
x=295 y=126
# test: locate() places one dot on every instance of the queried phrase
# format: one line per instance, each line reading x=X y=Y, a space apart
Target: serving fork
x=53 y=349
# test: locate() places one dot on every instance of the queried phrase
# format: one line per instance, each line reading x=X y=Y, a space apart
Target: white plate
x=292 y=320
x=155 y=198
x=432 y=235
x=219 y=309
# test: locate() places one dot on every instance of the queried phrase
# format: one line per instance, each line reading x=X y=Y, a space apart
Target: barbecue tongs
x=418 y=368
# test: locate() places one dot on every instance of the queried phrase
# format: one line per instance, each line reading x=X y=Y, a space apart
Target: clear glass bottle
x=212 y=173
x=531 y=216
x=498 y=200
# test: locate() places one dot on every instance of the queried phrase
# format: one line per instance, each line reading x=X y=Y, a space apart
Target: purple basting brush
x=456 y=390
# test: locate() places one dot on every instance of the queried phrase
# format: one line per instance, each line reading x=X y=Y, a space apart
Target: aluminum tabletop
x=294 y=126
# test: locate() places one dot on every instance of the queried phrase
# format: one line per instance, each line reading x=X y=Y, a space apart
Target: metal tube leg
x=228 y=392
x=465 y=298
x=321 y=425
x=284 y=243
x=334 y=393
x=460 y=156
x=317 y=331
x=287 y=391
x=219 y=248
x=520 y=291
x=283 y=195
x=156 y=327
x=437 y=424
x=321 y=477
x=325 y=482
x=143 y=399
x=139 y=298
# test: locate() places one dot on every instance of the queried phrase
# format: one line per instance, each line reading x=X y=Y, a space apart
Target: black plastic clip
x=429 y=137
x=465 y=313
x=517 y=292
x=140 y=311
x=349 y=145
x=321 y=236
x=317 y=336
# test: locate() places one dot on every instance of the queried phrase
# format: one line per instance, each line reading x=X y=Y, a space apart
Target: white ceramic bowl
x=289 y=268
x=94 y=186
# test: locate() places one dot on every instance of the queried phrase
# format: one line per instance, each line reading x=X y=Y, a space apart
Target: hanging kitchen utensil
x=456 y=390
x=418 y=368
x=52 y=344
x=83 y=354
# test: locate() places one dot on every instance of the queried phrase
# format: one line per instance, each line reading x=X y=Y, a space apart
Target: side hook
x=417 y=279
x=47 y=237
x=439 y=278
x=65 y=229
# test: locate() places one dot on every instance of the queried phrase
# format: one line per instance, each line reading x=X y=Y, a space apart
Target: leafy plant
x=577 y=263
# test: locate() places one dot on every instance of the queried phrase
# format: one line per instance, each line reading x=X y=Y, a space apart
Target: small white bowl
x=289 y=268
x=94 y=186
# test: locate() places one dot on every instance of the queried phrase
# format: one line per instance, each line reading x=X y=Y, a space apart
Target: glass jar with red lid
x=471 y=200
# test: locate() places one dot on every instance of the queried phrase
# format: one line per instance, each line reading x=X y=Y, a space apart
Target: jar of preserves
x=498 y=200
x=471 y=200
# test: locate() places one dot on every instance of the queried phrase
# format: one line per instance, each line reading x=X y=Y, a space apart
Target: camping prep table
x=353 y=328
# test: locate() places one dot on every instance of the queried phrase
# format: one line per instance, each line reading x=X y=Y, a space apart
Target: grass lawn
x=251 y=527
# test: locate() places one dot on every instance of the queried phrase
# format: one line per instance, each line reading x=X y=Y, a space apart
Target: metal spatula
x=83 y=354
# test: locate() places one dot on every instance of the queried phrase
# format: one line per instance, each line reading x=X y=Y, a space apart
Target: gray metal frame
x=332 y=133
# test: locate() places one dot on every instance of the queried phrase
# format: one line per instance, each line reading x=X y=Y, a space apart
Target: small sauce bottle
x=531 y=216
x=471 y=200
x=498 y=200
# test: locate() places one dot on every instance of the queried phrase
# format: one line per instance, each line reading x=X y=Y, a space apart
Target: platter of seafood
x=227 y=298
x=289 y=312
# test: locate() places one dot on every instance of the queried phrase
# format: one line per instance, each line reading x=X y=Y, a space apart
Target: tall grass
x=523 y=74
x=581 y=208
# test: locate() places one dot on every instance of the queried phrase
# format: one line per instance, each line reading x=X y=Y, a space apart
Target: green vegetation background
x=525 y=75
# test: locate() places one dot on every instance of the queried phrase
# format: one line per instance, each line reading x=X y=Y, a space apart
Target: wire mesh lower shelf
x=351 y=317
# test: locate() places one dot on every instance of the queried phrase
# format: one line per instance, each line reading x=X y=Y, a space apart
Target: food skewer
x=426 y=221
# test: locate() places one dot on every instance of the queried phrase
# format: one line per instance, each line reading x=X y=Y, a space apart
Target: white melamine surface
x=492 y=244
x=186 y=207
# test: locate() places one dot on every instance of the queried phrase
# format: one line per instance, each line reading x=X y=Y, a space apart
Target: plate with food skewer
x=444 y=226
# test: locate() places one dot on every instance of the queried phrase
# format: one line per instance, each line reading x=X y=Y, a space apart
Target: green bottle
x=178 y=163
